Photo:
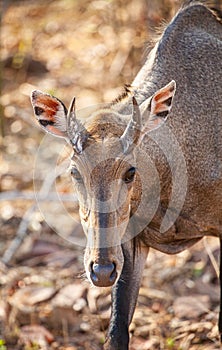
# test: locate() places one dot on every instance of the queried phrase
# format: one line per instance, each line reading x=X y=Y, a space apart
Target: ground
x=89 y=49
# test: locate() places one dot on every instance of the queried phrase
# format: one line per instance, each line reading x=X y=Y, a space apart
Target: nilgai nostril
x=103 y=275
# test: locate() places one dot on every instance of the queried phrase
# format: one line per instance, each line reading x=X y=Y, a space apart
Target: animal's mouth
x=103 y=266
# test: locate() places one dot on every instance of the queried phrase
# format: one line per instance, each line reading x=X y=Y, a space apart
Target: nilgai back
x=147 y=169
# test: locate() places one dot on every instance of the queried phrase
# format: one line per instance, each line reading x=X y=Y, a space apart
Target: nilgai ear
x=161 y=101
x=50 y=112
x=158 y=107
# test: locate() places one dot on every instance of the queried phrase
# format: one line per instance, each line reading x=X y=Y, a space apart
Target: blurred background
x=89 y=49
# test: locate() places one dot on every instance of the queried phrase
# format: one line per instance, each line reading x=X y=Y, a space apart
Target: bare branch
x=42 y=195
x=29 y=195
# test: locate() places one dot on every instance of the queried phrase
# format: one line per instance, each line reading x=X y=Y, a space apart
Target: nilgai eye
x=76 y=174
x=129 y=175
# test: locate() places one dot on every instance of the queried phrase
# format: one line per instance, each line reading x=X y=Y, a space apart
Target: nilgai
x=147 y=168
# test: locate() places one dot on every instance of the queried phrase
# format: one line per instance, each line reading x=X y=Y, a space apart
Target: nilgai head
x=104 y=170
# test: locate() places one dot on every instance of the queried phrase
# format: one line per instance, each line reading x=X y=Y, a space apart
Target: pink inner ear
x=50 y=113
x=158 y=103
x=161 y=95
x=49 y=104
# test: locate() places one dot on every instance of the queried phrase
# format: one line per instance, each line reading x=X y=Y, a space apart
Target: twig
x=212 y=258
x=22 y=229
x=29 y=195
x=20 y=235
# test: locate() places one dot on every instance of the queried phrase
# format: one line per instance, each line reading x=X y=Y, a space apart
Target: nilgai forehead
x=103 y=149
x=105 y=123
x=100 y=154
